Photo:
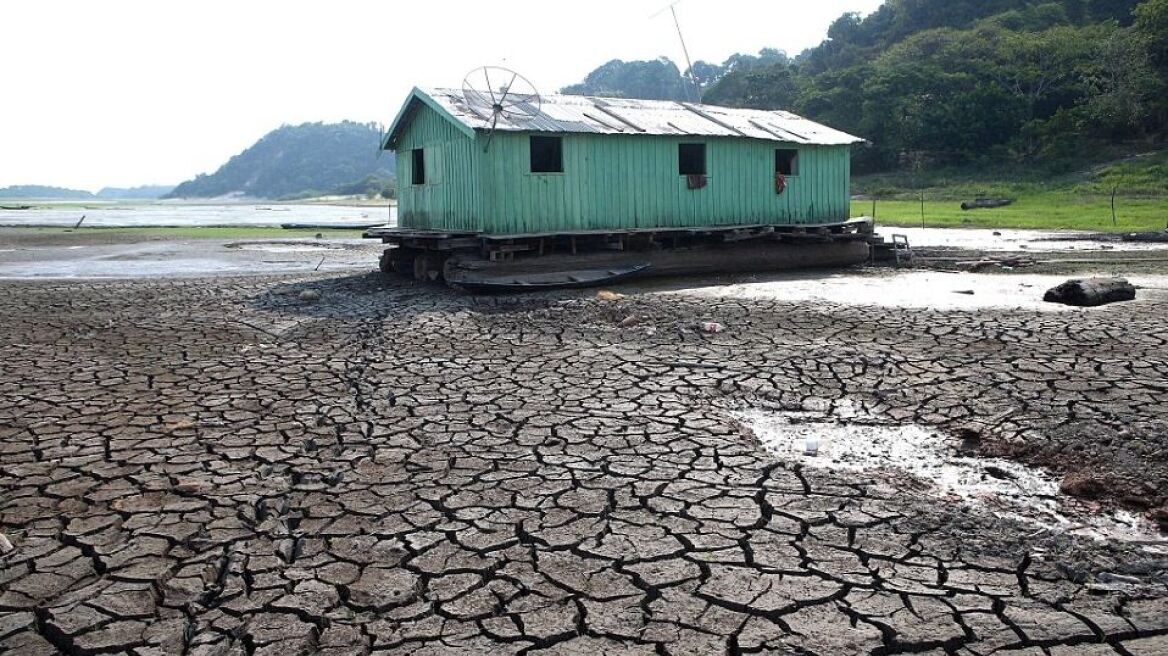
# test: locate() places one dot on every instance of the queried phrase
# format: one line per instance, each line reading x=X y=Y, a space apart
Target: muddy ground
x=213 y=466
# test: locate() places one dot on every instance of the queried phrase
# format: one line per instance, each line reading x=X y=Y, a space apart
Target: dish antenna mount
x=494 y=93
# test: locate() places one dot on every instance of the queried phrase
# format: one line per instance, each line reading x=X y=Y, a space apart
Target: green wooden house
x=579 y=164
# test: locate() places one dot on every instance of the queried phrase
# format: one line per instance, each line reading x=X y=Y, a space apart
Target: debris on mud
x=989 y=264
x=631 y=320
x=1091 y=292
x=861 y=443
x=1083 y=485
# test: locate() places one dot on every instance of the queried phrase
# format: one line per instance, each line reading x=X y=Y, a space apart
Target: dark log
x=1153 y=237
x=1091 y=292
x=983 y=203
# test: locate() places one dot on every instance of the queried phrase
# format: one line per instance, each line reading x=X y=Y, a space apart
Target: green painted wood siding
x=611 y=182
x=449 y=199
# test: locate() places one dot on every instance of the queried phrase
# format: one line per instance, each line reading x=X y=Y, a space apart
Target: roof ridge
x=575 y=114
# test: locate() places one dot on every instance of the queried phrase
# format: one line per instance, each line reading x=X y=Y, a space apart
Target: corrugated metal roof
x=586 y=114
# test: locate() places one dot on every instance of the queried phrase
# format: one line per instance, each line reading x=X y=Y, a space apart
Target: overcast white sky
x=122 y=93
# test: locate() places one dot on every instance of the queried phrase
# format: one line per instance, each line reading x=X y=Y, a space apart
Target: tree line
x=962 y=82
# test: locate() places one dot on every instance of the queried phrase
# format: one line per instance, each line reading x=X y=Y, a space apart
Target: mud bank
x=218 y=465
x=95 y=255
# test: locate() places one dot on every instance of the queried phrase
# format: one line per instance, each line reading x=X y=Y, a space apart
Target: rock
x=606 y=295
x=970 y=441
x=1090 y=292
x=711 y=327
x=1110 y=578
x=630 y=321
x=1080 y=484
x=309 y=296
x=999 y=473
x=5 y=544
x=997 y=234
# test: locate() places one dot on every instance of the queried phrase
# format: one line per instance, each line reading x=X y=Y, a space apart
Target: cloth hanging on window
x=695 y=181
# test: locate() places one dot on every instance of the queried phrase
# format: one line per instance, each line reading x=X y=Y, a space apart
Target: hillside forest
x=972 y=83
x=302 y=161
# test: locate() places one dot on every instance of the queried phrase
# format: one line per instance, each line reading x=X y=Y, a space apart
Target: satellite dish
x=493 y=93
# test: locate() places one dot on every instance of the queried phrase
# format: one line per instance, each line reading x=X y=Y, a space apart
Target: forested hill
x=43 y=192
x=965 y=82
x=299 y=161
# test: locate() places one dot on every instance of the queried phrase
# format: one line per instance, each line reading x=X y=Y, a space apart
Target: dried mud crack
x=210 y=466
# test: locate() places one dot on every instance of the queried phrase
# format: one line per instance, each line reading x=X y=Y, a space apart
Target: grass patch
x=1043 y=201
x=1042 y=211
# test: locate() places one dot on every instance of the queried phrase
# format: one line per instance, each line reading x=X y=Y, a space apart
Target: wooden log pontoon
x=573 y=259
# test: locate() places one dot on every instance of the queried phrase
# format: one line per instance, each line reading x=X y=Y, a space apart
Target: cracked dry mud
x=213 y=467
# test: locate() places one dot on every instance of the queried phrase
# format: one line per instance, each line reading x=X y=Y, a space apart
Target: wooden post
x=1113 y=192
x=873 y=206
x=922 y=209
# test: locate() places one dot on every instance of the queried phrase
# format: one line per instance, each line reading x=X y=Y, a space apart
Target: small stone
x=606 y=295
x=309 y=296
x=1111 y=578
x=711 y=327
x=630 y=321
x=999 y=473
x=5 y=544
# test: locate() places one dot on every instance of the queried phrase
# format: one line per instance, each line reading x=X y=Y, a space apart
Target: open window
x=418 y=168
x=547 y=155
x=691 y=159
x=787 y=161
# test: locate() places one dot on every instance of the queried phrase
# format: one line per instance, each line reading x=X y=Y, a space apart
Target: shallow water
x=937 y=290
x=192 y=257
x=175 y=214
x=849 y=442
x=1010 y=240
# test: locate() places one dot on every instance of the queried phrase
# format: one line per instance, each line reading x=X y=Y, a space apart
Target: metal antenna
x=672 y=7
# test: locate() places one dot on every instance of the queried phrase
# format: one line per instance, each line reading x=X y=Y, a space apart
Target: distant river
x=165 y=214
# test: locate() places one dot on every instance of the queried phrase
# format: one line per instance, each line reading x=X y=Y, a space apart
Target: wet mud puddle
x=1003 y=487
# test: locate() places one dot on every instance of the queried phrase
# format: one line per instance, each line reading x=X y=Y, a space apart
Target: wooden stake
x=1113 y=192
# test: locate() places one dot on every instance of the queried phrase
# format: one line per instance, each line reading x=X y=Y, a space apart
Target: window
x=418 y=171
x=691 y=159
x=547 y=155
x=787 y=161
